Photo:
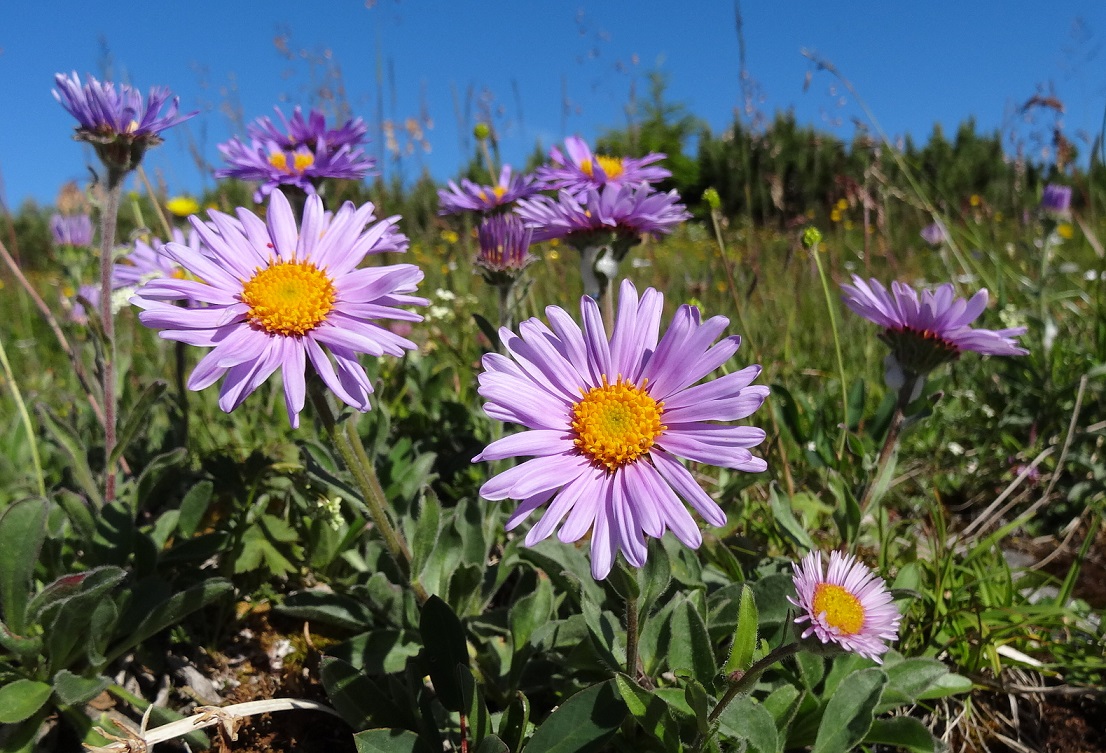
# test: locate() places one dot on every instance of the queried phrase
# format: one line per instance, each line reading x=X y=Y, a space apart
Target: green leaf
x=812 y=668
x=488 y=330
x=950 y=684
x=606 y=634
x=22 y=530
x=909 y=679
x=389 y=741
x=73 y=445
x=492 y=744
x=353 y=695
x=690 y=647
x=650 y=711
x=655 y=577
x=581 y=724
x=850 y=711
x=527 y=613
x=480 y=723
x=329 y=608
x=781 y=509
x=380 y=651
x=426 y=532
x=198 y=549
x=443 y=636
x=137 y=417
x=513 y=723
x=745 y=634
x=193 y=507
x=20 y=700
x=79 y=515
x=745 y=719
x=72 y=689
x=172 y=611
x=903 y=732
x=783 y=703
x=696 y=697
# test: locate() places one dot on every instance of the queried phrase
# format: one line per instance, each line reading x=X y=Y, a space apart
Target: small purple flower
x=302 y=156
x=470 y=197
x=116 y=121
x=927 y=330
x=607 y=420
x=581 y=169
x=934 y=234
x=148 y=261
x=849 y=605
x=298 y=131
x=278 y=297
x=71 y=229
x=1056 y=200
x=626 y=210
x=504 y=248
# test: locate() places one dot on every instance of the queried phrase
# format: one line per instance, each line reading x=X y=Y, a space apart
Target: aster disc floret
x=115 y=119
x=302 y=156
x=628 y=211
x=607 y=419
x=927 y=329
x=277 y=297
x=578 y=168
x=471 y=197
x=847 y=605
x=504 y=248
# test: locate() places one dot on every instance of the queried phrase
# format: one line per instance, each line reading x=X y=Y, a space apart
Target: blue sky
x=545 y=69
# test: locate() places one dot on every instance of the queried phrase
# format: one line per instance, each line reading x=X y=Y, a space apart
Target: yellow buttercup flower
x=182 y=206
x=975 y=200
x=1065 y=230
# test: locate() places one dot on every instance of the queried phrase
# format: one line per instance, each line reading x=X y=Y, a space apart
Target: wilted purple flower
x=849 y=605
x=934 y=234
x=607 y=419
x=116 y=121
x=470 y=197
x=302 y=157
x=1056 y=200
x=581 y=169
x=627 y=210
x=71 y=229
x=927 y=330
x=276 y=295
x=504 y=248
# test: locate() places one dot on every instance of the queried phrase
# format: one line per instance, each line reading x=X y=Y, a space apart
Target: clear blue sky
x=915 y=63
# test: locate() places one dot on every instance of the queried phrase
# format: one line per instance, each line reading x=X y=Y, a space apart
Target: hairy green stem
x=364 y=474
x=632 y=630
x=743 y=683
x=108 y=218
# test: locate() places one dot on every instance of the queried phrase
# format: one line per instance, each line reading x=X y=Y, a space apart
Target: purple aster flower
x=580 y=169
x=848 y=606
x=278 y=296
x=299 y=131
x=71 y=229
x=148 y=261
x=116 y=121
x=504 y=248
x=302 y=157
x=934 y=234
x=470 y=197
x=1056 y=200
x=927 y=330
x=626 y=210
x=607 y=419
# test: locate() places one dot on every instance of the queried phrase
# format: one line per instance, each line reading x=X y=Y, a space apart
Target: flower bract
x=608 y=419
x=847 y=605
x=268 y=295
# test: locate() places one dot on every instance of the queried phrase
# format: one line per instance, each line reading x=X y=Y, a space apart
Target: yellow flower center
x=615 y=424
x=843 y=610
x=300 y=162
x=612 y=166
x=288 y=298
